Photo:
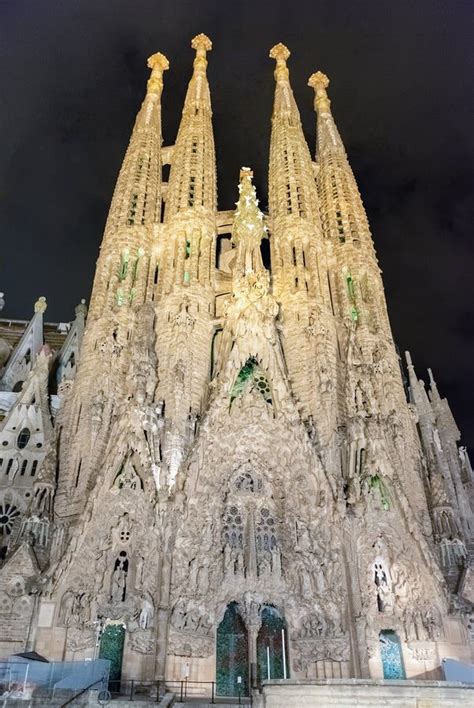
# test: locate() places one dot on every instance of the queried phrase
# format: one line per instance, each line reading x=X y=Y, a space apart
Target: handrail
x=81 y=692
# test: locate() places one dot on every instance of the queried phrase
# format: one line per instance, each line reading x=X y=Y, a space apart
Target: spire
x=193 y=171
x=292 y=188
x=24 y=356
x=121 y=274
x=344 y=217
x=419 y=397
x=251 y=311
x=136 y=200
x=248 y=228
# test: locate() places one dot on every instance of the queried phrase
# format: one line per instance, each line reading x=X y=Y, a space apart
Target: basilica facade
x=219 y=471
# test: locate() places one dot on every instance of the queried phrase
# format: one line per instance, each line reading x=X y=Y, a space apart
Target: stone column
x=356 y=619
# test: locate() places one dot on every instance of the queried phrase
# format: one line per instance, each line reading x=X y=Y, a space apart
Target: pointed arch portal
x=234 y=651
x=232 y=654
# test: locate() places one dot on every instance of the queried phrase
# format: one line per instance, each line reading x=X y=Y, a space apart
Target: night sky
x=73 y=76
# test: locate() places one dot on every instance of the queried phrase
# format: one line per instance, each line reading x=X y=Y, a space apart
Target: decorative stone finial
x=319 y=82
x=158 y=63
x=41 y=304
x=201 y=43
x=245 y=172
x=280 y=53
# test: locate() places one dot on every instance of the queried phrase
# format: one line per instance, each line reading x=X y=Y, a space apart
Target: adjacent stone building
x=222 y=471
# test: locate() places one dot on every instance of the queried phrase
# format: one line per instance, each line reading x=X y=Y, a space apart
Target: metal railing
x=191 y=691
x=103 y=696
x=135 y=689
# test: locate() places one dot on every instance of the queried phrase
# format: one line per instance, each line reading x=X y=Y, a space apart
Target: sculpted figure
x=146 y=613
x=119 y=578
x=229 y=564
x=178 y=617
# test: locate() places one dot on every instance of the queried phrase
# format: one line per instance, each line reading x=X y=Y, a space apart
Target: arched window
x=17 y=387
x=34 y=467
x=24 y=465
x=23 y=438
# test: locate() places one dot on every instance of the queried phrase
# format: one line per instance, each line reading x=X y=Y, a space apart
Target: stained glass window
x=251 y=376
x=391 y=653
x=23 y=438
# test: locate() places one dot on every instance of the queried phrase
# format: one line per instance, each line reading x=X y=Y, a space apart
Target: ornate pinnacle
x=319 y=82
x=201 y=42
x=158 y=63
x=248 y=227
x=280 y=53
x=245 y=172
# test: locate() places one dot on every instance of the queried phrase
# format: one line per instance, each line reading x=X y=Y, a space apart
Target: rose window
x=8 y=516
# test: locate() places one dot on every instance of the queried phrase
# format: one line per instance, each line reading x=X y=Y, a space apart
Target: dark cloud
x=72 y=78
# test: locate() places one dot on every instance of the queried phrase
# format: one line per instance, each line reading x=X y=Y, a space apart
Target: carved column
x=356 y=618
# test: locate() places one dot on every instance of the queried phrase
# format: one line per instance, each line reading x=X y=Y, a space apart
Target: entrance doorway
x=391 y=654
x=271 y=646
x=111 y=647
x=237 y=648
x=232 y=654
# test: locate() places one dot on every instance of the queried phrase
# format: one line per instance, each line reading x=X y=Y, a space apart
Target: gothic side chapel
x=221 y=472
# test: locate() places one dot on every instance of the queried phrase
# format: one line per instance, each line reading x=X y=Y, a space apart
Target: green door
x=111 y=647
x=232 y=654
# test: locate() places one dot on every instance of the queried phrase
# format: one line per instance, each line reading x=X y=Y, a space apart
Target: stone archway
x=232 y=650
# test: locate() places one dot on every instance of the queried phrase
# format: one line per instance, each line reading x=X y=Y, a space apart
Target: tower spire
x=122 y=269
x=292 y=188
x=186 y=268
x=297 y=248
x=340 y=201
x=193 y=172
x=120 y=286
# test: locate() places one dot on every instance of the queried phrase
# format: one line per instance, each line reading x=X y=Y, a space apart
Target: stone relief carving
x=309 y=651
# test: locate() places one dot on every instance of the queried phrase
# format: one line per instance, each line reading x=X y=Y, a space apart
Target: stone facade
x=222 y=440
